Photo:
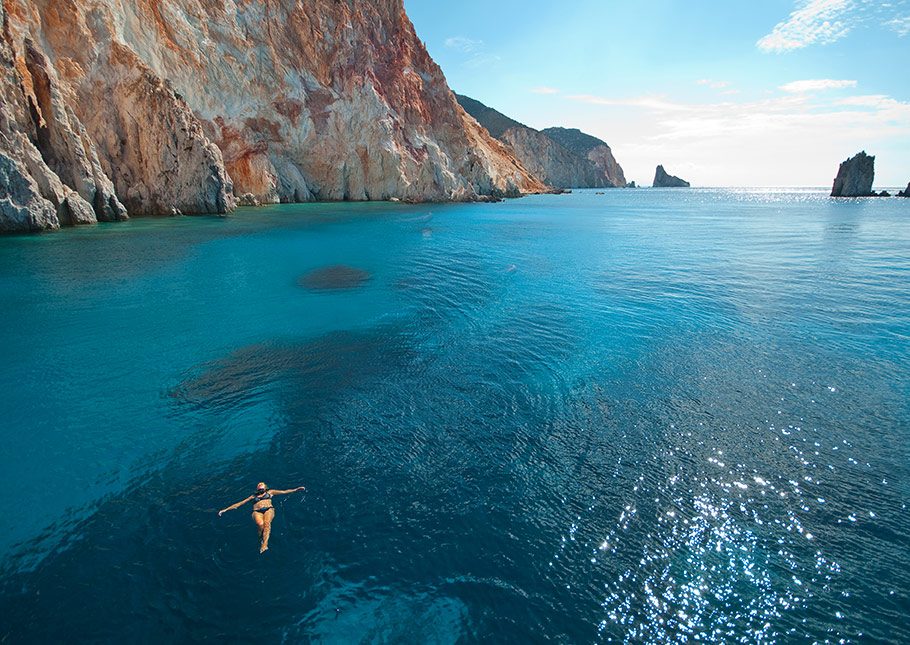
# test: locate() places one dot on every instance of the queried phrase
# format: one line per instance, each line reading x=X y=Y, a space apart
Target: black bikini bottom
x=263 y=510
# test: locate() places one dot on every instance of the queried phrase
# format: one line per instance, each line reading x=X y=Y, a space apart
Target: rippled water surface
x=644 y=416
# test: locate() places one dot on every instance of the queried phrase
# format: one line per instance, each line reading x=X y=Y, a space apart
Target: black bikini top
x=264 y=496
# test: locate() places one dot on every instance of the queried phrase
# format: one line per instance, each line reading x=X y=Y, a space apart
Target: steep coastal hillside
x=570 y=159
x=151 y=107
x=592 y=148
x=494 y=121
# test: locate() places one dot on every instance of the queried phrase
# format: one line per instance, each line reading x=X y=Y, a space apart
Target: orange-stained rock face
x=186 y=103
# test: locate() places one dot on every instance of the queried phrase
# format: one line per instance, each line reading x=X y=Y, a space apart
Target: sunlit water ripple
x=645 y=416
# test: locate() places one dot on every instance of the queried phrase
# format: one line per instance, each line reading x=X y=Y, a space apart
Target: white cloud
x=543 y=89
x=821 y=22
x=481 y=61
x=476 y=54
x=680 y=120
x=817 y=22
x=463 y=44
x=714 y=85
x=877 y=101
x=647 y=102
x=786 y=139
x=900 y=25
x=815 y=85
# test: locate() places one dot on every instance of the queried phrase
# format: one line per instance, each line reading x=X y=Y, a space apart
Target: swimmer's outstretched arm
x=233 y=506
x=290 y=490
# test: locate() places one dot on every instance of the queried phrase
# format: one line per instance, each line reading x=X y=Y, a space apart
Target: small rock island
x=662 y=179
x=855 y=177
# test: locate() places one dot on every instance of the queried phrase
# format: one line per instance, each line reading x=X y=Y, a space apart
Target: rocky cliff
x=158 y=106
x=662 y=179
x=855 y=177
x=559 y=157
x=549 y=161
x=591 y=148
x=494 y=121
x=905 y=192
x=49 y=169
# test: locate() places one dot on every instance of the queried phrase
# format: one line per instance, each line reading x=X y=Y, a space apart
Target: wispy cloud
x=789 y=112
x=816 y=85
x=787 y=138
x=714 y=85
x=482 y=60
x=647 y=102
x=475 y=51
x=900 y=25
x=876 y=101
x=821 y=22
x=463 y=44
x=817 y=22
x=543 y=89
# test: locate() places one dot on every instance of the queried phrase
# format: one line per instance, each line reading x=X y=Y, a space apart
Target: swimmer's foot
x=263 y=548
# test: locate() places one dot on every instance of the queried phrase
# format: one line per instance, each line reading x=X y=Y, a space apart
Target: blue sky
x=769 y=93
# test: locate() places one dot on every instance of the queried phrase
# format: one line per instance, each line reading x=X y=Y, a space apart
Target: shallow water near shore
x=644 y=416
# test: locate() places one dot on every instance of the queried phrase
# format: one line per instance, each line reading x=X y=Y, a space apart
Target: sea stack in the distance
x=855 y=177
x=905 y=192
x=662 y=179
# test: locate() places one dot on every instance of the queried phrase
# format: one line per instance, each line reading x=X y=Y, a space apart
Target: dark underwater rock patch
x=310 y=371
x=337 y=277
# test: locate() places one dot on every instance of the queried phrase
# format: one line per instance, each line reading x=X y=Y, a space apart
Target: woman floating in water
x=263 y=511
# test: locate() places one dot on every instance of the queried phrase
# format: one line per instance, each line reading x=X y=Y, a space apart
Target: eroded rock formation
x=855 y=177
x=49 y=171
x=662 y=179
x=153 y=107
x=905 y=192
x=560 y=157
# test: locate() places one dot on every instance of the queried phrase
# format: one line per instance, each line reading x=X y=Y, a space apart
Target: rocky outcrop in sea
x=855 y=177
x=905 y=192
x=147 y=108
x=662 y=179
x=560 y=157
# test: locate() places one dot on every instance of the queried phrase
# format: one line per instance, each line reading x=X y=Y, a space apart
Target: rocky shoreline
x=118 y=109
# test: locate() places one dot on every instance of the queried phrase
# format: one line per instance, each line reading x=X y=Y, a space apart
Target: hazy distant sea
x=648 y=415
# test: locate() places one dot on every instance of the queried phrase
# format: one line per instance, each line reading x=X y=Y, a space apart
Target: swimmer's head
x=261 y=487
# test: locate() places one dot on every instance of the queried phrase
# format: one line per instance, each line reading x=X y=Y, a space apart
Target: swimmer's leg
x=260 y=524
x=268 y=516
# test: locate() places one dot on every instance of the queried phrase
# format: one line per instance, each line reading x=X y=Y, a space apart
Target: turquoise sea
x=644 y=416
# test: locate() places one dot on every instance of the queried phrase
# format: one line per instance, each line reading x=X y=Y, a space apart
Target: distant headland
x=560 y=157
